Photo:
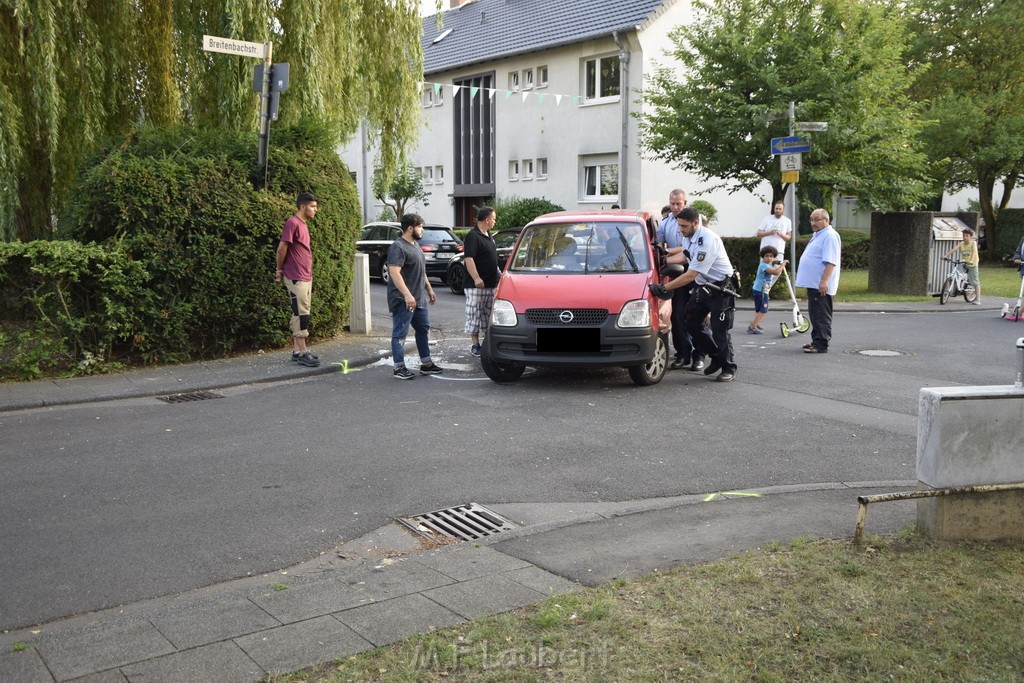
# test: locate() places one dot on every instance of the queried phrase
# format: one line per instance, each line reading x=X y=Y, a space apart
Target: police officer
x=687 y=355
x=711 y=272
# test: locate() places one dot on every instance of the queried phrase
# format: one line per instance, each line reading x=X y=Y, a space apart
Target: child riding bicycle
x=969 y=255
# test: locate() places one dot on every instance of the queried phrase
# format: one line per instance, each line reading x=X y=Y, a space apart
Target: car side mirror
x=673 y=270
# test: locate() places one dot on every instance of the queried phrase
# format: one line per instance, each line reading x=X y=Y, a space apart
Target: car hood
x=546 y=290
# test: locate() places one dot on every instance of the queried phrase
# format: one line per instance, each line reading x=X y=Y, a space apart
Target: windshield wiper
x=629 y=252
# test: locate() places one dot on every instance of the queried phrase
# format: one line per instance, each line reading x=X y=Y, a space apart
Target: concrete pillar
x=359 y=311
x=969 y=436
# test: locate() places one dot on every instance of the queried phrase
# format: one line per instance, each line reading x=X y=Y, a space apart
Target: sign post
x=262 y=51
x=790 y=150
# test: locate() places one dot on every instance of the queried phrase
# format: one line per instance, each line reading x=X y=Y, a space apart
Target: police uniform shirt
x=708 y=257
x=668 y=232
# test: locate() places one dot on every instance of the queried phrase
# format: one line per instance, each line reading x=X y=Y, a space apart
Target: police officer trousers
x=714 y=342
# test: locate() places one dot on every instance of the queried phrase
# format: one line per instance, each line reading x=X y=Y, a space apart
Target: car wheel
x=652 y=373
x=385 y=276
x=500 y=372
x=454 y=277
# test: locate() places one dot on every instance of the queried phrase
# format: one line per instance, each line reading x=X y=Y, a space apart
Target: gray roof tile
x=484 y=30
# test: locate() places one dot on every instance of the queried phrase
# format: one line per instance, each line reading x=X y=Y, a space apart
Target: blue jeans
x=400 y=321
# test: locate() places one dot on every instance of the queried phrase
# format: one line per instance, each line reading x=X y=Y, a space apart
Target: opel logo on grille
x=565 y=316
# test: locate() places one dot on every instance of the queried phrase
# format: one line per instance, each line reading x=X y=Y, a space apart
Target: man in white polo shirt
x=819 y=273
x=775 y=230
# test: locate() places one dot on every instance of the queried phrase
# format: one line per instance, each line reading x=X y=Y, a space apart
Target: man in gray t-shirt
x=409 y=292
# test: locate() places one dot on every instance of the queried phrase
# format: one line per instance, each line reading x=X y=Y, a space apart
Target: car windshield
x=600 y=247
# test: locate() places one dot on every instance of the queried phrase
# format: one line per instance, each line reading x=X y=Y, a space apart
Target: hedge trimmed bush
x=515 y=212
x=1011 y=229
x=744 y=254
x=66 y=305
x=184 y=204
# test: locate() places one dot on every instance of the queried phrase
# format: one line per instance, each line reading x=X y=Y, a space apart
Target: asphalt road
x=110 y=503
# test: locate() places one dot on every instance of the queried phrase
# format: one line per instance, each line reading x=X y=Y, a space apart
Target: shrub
x=706 y=209
x=66 y=303
x=515 y=212
x=185 y=205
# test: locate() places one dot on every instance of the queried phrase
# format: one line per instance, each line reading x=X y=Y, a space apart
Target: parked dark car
x=439 y=245
x=504 y=240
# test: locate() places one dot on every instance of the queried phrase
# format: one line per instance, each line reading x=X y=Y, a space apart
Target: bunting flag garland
x=492 y=93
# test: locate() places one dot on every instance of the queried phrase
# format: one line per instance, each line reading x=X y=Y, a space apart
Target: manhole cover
x=880 y=352
x=190 y=396
x=463 y=522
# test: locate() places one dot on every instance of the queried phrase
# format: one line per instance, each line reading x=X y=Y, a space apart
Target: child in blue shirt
x=767 y=273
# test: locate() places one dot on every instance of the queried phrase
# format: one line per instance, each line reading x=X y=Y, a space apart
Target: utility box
x=946 y=232
x=907 y=248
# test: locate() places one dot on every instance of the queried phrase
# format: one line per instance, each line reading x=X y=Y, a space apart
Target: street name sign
x=790 y=145
x=234 y=47
x=812 y=126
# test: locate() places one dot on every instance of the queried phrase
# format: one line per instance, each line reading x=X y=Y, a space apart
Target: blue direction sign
x=793 y=145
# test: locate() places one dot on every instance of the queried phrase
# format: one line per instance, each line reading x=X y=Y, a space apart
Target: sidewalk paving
x=388 y=584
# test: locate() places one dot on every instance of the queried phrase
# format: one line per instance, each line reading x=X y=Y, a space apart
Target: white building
x=525 y=98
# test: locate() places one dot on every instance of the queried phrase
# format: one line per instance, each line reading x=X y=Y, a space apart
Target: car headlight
x=636 y=313
x=503 y=314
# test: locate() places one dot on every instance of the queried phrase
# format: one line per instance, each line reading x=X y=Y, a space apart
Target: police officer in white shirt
x=687 y=356
x=711 y=271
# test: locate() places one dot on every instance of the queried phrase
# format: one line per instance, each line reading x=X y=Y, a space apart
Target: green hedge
x=66 y=305
x=744 y=254
x=515 y=212
x=185 y=205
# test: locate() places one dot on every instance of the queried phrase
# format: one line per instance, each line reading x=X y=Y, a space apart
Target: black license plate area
x=563 y=340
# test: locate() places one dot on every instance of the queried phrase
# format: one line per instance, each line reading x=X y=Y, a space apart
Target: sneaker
x=296 y=355
x=726 y=376
x=697 y=365
x=475 y=350
x=432 y=369
x=755 y=330
x=679 y=363
x=976 y=303
x=307 y=359
x=403 y=373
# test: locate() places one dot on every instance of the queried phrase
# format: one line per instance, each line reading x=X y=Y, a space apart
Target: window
x=439 y=174
x=527 y=169
x=542 y=77
x=439 y=97
x=527 y=79
x=513 y=81
x=513 y=170
x=542 y=168
x=600 y=178
x=601 y=78
x=427 y=96
x=428 y=175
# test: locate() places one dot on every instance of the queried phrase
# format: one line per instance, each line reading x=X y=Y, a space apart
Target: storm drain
x=189 y=397
x=463 y=522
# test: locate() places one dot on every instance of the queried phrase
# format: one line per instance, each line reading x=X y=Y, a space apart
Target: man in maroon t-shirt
x=295 y=269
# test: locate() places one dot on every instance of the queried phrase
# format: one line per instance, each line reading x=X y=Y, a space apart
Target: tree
x=973 y=96
x=403 y=189
x=839 y=60
x=77 y=73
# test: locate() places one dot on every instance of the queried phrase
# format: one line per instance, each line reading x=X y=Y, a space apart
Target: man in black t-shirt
x=481 y=279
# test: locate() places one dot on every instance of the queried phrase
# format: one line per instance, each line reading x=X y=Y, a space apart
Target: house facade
x=535 y=98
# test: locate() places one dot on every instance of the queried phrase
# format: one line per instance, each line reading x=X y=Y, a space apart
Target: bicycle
x=957 y=284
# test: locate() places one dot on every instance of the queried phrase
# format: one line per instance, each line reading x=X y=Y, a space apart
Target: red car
x=575 y=294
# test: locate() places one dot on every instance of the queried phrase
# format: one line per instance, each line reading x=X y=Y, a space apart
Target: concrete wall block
x=992 y=516
x=970 y=435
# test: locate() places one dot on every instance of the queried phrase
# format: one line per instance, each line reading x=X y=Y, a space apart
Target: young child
x=767 y=272
x=969 y=255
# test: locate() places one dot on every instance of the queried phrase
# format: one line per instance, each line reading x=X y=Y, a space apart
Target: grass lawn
x=906 y=608
x=997 y=282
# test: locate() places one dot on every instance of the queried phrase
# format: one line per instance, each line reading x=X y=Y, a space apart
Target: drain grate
x=464 y=522
x=189 y=396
